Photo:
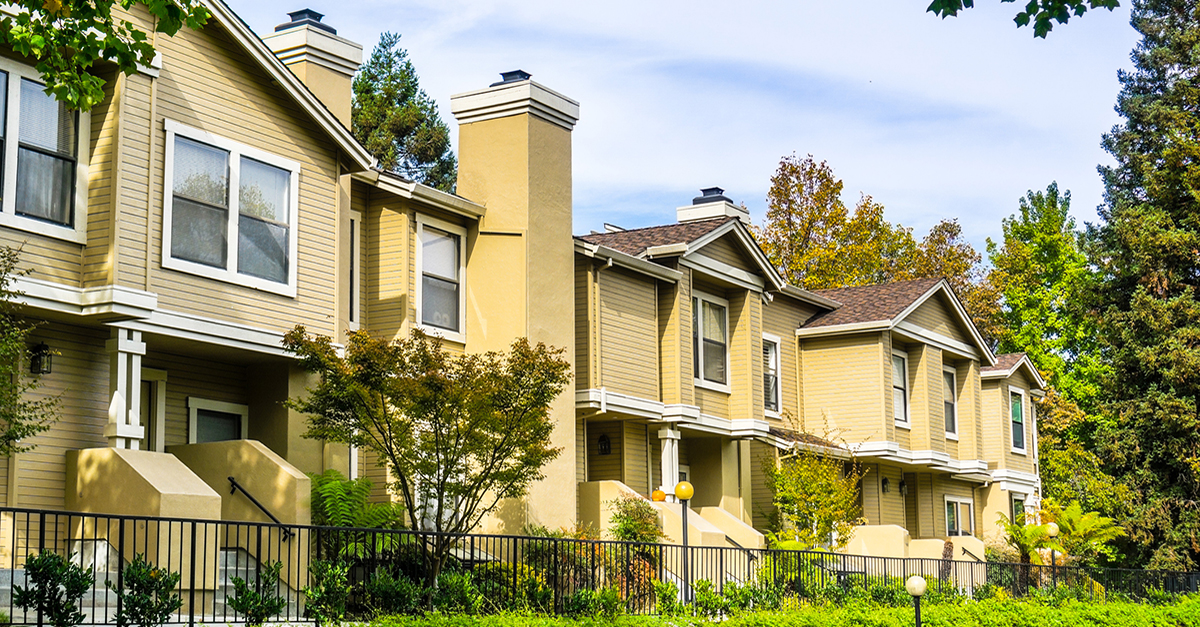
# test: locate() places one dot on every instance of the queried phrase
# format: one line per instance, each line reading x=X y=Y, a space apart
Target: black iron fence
x=388 y=571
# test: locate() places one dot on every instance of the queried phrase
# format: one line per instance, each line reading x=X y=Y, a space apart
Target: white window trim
x=952 y=371
x=1018 y=496
x=195 y=403
x=356 y=238
x=698 y=377
x=1024 y=417
x=778 y=374
x=158 y=378
x=907 y=422
x=8 y=209
x=229 y=273
x=459 y=336
x=958 y=500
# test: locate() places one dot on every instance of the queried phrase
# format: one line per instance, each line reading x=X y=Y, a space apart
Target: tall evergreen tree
x=397 y=122
x=1147 y=253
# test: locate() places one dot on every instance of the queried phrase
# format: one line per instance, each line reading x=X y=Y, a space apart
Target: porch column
x=670 y=460
x=124 y=428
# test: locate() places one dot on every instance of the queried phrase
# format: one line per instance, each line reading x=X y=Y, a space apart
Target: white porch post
x=670 y=460
x=125 y=351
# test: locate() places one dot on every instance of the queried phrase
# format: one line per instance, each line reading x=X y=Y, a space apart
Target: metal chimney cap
x=710 y=194
x=514 y=76
x=306 y=17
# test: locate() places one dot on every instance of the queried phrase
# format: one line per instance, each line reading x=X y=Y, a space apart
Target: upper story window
x=441 y=266
x=230 y=211
x=710 y=341
x=44 y=184
x=900 y=388
x=959 y=517
x=950 y=401
x=1017 y=410
x=771 y=391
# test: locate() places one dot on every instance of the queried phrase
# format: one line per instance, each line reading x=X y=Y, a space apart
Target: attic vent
x=710 y=194
x=306 y=17
x=514 y=76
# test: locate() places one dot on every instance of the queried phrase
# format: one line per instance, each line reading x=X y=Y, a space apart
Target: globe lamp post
x=684 y=492
x=915 y=586
x=1052 y=531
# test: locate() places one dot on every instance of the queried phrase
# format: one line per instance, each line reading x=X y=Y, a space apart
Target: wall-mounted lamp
x=903 y=488
x=40 y=359
x=886 y=485
x=604 y=444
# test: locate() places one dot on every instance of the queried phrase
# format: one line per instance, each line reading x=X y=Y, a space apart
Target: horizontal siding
x=604 y=467
x=729 y=251
x=937 y=315
x=387 y=269
x=781 y=317
x=628 y=334
x=891 y=504
x=583 y=324
x=762 y=507
x=97 y=256
x=201 y=378
x=844 y=390
x=637 y=462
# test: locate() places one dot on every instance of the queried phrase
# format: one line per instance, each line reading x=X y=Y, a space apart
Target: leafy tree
x=816 y=495
x=1040 y=13
x=1071 y=471
x=945 y=253
x=394 y=119
x=634 y=519
x=1082 y=535
x=1028 y=540
x=458 y=432
x=66 y=38
x=1145 y=254
x=21 y=415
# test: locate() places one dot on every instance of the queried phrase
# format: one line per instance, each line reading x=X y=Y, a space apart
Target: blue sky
x=934 y=118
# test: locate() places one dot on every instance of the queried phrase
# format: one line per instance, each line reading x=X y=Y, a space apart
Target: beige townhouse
x=697 y=361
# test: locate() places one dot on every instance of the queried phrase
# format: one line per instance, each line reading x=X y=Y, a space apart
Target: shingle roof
x=802 y=438
x=1004 y=362
x=870 y=303
x=636 y=241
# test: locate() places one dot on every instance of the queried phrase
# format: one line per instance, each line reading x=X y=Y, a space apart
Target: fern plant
x=341 y=502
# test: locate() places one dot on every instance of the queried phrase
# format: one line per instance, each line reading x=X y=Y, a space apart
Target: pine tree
x=397 y=122
x=1147 y=253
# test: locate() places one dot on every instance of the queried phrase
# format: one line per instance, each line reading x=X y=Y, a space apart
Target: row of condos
x=217 y=198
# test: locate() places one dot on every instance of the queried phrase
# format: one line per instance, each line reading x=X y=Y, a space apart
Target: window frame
x=1013 y=498
x=953 y=372
x=77 y=232
x=959 y=501
x=422 y=221
x=778 y=368
x=698 y=298
x=354 y=281
x=906 y=422
x=195 y=403
x=1024 y=449
x=236 y=150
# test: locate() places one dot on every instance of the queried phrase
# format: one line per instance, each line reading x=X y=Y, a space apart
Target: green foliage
x=816 y=496
x=666 y=598
x=1083 y=535
x=456 y=594
x=393 y=594
x=459 y=433
x=394 y=119
x=262 y=602
x=706 y=601
x=55 y=588
x=1069 y=466
x=68 y=38
x=1041 y=13
x=330 y=592
x=148 y=595
x=338 y=502
x=634 y=519
x=512 y=588
x=22 y=414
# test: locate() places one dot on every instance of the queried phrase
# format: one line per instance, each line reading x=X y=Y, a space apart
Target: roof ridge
x=659 y=226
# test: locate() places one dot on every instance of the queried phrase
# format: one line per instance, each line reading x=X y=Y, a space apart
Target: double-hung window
x=771 y=391
x=950 y=401
x=1017 y=411
x=43 y=187
x=441 y=266
x=1018 y=509
x=229 y=211
x=959 y=517
x=900 y=388
x=710 y=341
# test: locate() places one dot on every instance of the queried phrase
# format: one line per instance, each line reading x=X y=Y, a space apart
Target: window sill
x=772 y=414
x=1018 y=451
x=903 y=424
x=951 y=436
x=709 y=385
x=38 y=227
x=445 y=334
x=225 y=276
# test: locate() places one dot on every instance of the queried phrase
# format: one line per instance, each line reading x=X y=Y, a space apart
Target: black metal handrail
x=235 y=486
x=966 y=552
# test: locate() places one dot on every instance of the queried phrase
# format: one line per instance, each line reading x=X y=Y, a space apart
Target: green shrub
x=263 y=601
x=611 y=603
x=388 y=594
x=329 y=593
x=666 y=598
x=147 y=594
x=634 y=519
x=739 y=598
x=706 y=601
x=55 y=589
x=456 y=594
x=513 y=588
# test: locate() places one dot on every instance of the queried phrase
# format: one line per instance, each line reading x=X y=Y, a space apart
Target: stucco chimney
x=323 y=61
x=711 y=203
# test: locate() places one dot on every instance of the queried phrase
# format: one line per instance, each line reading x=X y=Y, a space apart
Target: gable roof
x=257 y=50
x=636 y=241
x=884 y=307
x=1008 y=364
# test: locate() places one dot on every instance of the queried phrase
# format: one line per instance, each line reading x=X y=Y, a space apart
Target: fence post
x=192 y=592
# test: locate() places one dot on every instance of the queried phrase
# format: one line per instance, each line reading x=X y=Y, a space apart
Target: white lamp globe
x=915 y=585
x=1052 y=530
